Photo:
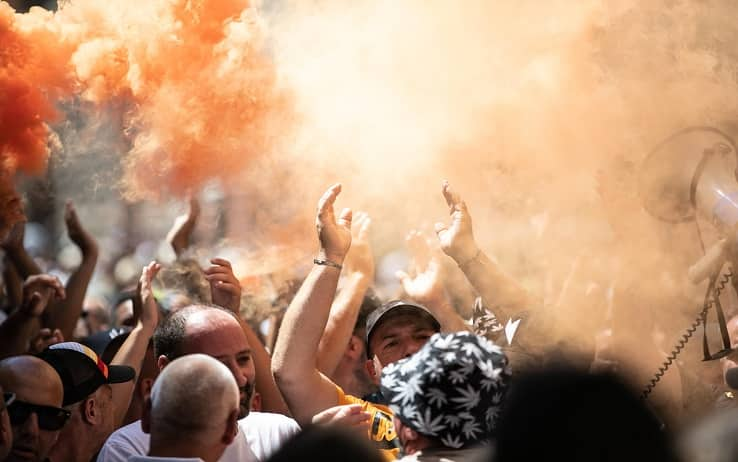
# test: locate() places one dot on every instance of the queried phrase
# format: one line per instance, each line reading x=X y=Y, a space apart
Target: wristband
x=317 y=261
x=476 y=255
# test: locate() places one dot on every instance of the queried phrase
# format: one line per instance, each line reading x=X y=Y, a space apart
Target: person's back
x=183 y=418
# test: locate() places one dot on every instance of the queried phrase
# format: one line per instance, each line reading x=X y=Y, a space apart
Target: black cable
x=682 y=343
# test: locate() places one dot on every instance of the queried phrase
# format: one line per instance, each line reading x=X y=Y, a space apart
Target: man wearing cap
x=88 y=396
x=394 y=331
x=36 y=416
x=446 y=397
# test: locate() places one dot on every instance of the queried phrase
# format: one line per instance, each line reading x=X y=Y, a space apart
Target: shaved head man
x=36 y=415
x=181 y=416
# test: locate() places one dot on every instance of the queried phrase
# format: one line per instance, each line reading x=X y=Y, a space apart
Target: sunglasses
x=49 y=417
x=8 y=399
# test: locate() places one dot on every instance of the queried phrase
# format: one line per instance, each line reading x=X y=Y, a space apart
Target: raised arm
x=498 y=290
x=65 y=312
x=359 y=266
x=24 y=323
x=295 y=366
x=226 y=292
x=14 y=249
x=179 y=236
x=133 y=350
x=424 y=284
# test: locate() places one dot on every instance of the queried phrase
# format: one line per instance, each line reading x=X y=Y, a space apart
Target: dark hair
x=170 y=334
x=576 y=417
x=327 y=444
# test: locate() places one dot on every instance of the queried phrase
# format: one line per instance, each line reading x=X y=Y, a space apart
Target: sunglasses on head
x=49 y=417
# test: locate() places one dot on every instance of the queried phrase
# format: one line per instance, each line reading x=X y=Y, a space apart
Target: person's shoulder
x=261 y=420
x=125 y=442
x=266 y=432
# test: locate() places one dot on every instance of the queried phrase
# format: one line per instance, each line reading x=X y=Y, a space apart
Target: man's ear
x=162 y=362
x=371 y=369
x=355 y=348
x=231 y=429
x=146 y=415
x=90 y=413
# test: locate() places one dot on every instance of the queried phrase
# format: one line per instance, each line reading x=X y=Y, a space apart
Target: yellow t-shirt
x=381 y=429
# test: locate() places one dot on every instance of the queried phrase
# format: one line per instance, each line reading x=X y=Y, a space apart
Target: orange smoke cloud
x=33 y=76
x=199 y=88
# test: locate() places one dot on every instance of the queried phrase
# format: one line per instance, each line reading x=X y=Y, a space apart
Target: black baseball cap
x=82 y=371
x=393 y=308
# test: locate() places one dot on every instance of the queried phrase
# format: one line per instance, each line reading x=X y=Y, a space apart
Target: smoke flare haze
x=539 y=113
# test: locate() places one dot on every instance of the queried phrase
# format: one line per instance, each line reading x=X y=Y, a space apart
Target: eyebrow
x=392 y=334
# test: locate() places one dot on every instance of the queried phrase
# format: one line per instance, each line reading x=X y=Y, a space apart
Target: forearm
x=13 y=284
x=67 y=311
x=131 y=354
x=23 y=262
x=16 y=332
x=294 y=363
x=499 y=291
x=341 y=322
x=271 y=398
x=304 y=322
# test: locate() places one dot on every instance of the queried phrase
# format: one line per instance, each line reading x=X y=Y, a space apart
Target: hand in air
x=225 y=289
x=457 y=238
x=334 y=234
x=360 y=258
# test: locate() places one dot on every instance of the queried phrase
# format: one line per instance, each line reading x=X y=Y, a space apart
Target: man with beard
x=215 y=332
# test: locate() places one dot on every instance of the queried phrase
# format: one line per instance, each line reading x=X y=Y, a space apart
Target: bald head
x=29 y=378
x=193 y=398
x=34 y=382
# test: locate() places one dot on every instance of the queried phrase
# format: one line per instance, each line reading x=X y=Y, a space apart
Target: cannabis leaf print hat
x=451 y=389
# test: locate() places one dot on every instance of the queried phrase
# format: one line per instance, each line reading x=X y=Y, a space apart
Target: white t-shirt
x=260 y=434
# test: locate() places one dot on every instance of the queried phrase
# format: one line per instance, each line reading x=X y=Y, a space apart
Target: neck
x=186 y=448
x=72 y=447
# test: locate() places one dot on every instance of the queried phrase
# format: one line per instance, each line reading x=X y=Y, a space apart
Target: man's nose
x=30 y=425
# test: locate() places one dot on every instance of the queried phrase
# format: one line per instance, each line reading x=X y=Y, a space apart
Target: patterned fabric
x=486 y=324
x=451 y=389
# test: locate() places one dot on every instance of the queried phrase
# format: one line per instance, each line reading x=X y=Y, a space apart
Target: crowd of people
x=344 y=375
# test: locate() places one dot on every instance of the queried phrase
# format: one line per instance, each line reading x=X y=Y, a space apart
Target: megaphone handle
x=721 y=318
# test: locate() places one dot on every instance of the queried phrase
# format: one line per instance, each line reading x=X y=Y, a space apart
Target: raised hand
x=360 y=258
x=77 y=234
x=334 y=235
x=44 y=339
x=457 y=239
x=225 y=289
x=179 y=236
x=424 y=282
x=38 y=291
x=145 y=309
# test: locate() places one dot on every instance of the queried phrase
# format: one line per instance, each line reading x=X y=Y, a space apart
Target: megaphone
x=690 y=173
